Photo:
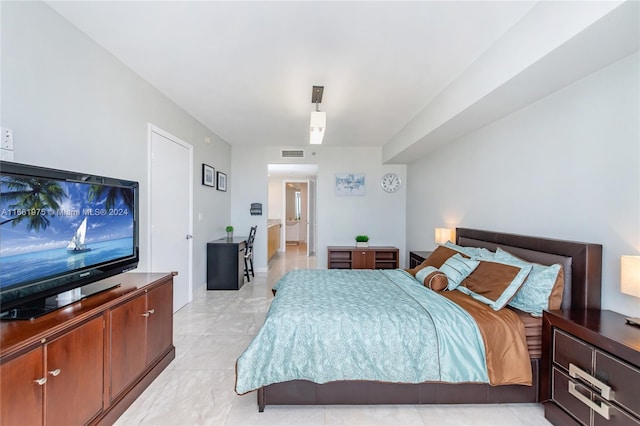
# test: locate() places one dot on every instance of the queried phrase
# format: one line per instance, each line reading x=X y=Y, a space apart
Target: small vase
x=230 y=235
x=362 y=244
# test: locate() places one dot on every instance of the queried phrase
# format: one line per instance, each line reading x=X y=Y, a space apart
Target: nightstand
x=417 y=257
x=590 y=373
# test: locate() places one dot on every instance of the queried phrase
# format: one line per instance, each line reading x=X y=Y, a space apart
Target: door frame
x=283 y=237
x=155 y=129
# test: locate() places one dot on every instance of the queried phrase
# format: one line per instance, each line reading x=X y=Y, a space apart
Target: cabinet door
x=363 y=259
x=20 y=395
x=74 y=375
x=128 y=343
x=159 y=321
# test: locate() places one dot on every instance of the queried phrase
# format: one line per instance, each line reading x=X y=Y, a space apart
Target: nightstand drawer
x=560 y=394
x=623 y=378
x=576 y=398
x=569 y=350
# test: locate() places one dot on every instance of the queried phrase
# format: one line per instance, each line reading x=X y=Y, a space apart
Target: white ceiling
x=245 y=69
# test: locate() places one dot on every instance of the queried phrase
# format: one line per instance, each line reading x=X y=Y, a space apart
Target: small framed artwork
x=350 y=184
x=208 y=175
x=222 y=181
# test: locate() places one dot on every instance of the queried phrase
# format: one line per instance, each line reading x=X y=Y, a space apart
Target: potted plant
x=229 y=230
x=362 y=241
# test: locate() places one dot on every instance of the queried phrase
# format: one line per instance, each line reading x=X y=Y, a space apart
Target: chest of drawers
x=591 y=368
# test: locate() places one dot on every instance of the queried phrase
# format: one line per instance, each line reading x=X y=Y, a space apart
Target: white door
x=170 y=211
x=311 y=214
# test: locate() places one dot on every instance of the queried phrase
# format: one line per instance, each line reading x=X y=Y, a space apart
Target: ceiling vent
x=292 y=153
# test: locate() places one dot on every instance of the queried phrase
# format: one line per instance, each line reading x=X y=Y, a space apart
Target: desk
x=225 y=263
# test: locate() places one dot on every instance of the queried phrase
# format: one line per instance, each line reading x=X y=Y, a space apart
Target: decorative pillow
x=472 y=252
x=436 y=259
x=543 y=288
x=494 y=283
x=432 y=278
x=457 y=268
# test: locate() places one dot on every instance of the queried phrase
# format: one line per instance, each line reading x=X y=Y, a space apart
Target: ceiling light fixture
x=318 y=121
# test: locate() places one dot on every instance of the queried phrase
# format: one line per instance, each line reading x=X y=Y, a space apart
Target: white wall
x=74 y=106
x=566 y=166
x=377 y=214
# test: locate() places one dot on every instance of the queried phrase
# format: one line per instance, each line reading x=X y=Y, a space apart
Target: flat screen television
x=61 y=234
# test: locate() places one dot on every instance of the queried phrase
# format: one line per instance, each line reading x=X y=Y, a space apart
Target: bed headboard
x=582 y=261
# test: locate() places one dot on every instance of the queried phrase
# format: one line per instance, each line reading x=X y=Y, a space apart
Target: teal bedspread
x=380 y=325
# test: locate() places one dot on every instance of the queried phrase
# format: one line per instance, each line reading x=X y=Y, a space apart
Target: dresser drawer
x=569 y=350
x=560 y=394
x=617 y=417
x=623 y=378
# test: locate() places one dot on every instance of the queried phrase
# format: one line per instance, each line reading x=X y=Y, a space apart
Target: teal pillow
x=472 y=252
x=533 y=296
x=457 y=268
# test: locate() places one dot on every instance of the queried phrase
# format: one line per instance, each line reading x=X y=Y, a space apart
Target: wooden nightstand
x=417 y=257
x=590 y=372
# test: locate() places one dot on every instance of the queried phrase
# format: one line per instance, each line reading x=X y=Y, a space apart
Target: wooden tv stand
x=87 y=362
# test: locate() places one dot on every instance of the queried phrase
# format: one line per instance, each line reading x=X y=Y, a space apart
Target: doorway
x=171 y=185
x=292 y=203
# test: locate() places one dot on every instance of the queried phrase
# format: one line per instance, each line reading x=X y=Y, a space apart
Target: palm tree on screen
x=113 y=193
x=33 y=200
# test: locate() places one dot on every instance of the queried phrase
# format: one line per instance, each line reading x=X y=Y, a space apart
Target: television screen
x=61 y=228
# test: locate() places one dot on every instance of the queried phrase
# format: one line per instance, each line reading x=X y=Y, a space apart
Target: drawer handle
x=151 y=311
x=575 y=371
x=55 y=372
x=146 y=314
x=41 y=381
x=602 y=408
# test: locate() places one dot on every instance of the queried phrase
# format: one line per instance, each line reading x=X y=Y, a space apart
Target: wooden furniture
x=225 y=263
x=417 y=257
x=582 y=291
x=248 y=254
x=87 y=362
x=591 y=368
x=374 y=257
x=274 y=235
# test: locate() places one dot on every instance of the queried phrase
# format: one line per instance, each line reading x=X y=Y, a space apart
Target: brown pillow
x=436 y=259
x=555 y=298
x=436 y=281
x=490 y=279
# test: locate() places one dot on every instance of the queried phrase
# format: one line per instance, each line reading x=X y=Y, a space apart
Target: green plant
x=362 y=238
x=229 y=228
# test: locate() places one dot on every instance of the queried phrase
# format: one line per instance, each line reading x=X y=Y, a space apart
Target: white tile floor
x=210 y=333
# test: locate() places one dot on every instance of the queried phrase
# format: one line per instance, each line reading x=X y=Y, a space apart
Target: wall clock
x=391 y=182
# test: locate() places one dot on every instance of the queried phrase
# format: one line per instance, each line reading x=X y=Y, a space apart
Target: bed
x=400 y=382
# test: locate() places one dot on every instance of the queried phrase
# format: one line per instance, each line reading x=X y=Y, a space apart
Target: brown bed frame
x=581 y=291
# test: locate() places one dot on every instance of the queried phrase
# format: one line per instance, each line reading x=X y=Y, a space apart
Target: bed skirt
x=302 y=392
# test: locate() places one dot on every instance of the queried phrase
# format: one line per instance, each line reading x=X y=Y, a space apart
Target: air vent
x=292 y=153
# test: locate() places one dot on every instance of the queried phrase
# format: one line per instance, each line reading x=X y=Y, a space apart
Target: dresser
x=225 y=263
x=590 y=368
x=372 y=257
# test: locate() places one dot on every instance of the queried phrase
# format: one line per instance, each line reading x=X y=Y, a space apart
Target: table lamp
x=443 y=235
x=630 y=280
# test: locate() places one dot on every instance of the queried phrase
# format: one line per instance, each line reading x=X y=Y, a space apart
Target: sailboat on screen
x=77 y=245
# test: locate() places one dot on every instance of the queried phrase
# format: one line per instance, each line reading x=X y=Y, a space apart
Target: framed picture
x=349 y=184
x=208 y=175
x=222 y=181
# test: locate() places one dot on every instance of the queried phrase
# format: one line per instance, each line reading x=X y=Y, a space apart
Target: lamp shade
x=630 y=275
x=443 y=235
x=317 y=126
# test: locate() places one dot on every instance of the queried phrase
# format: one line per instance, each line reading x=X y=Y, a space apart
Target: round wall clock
x=391 y=182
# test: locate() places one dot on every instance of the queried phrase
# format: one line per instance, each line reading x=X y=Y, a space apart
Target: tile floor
x=212 y=331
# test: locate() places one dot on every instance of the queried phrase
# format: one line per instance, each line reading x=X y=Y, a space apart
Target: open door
x=311 y=213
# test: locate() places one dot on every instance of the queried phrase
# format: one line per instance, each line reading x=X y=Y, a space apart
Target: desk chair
x=248 y=254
